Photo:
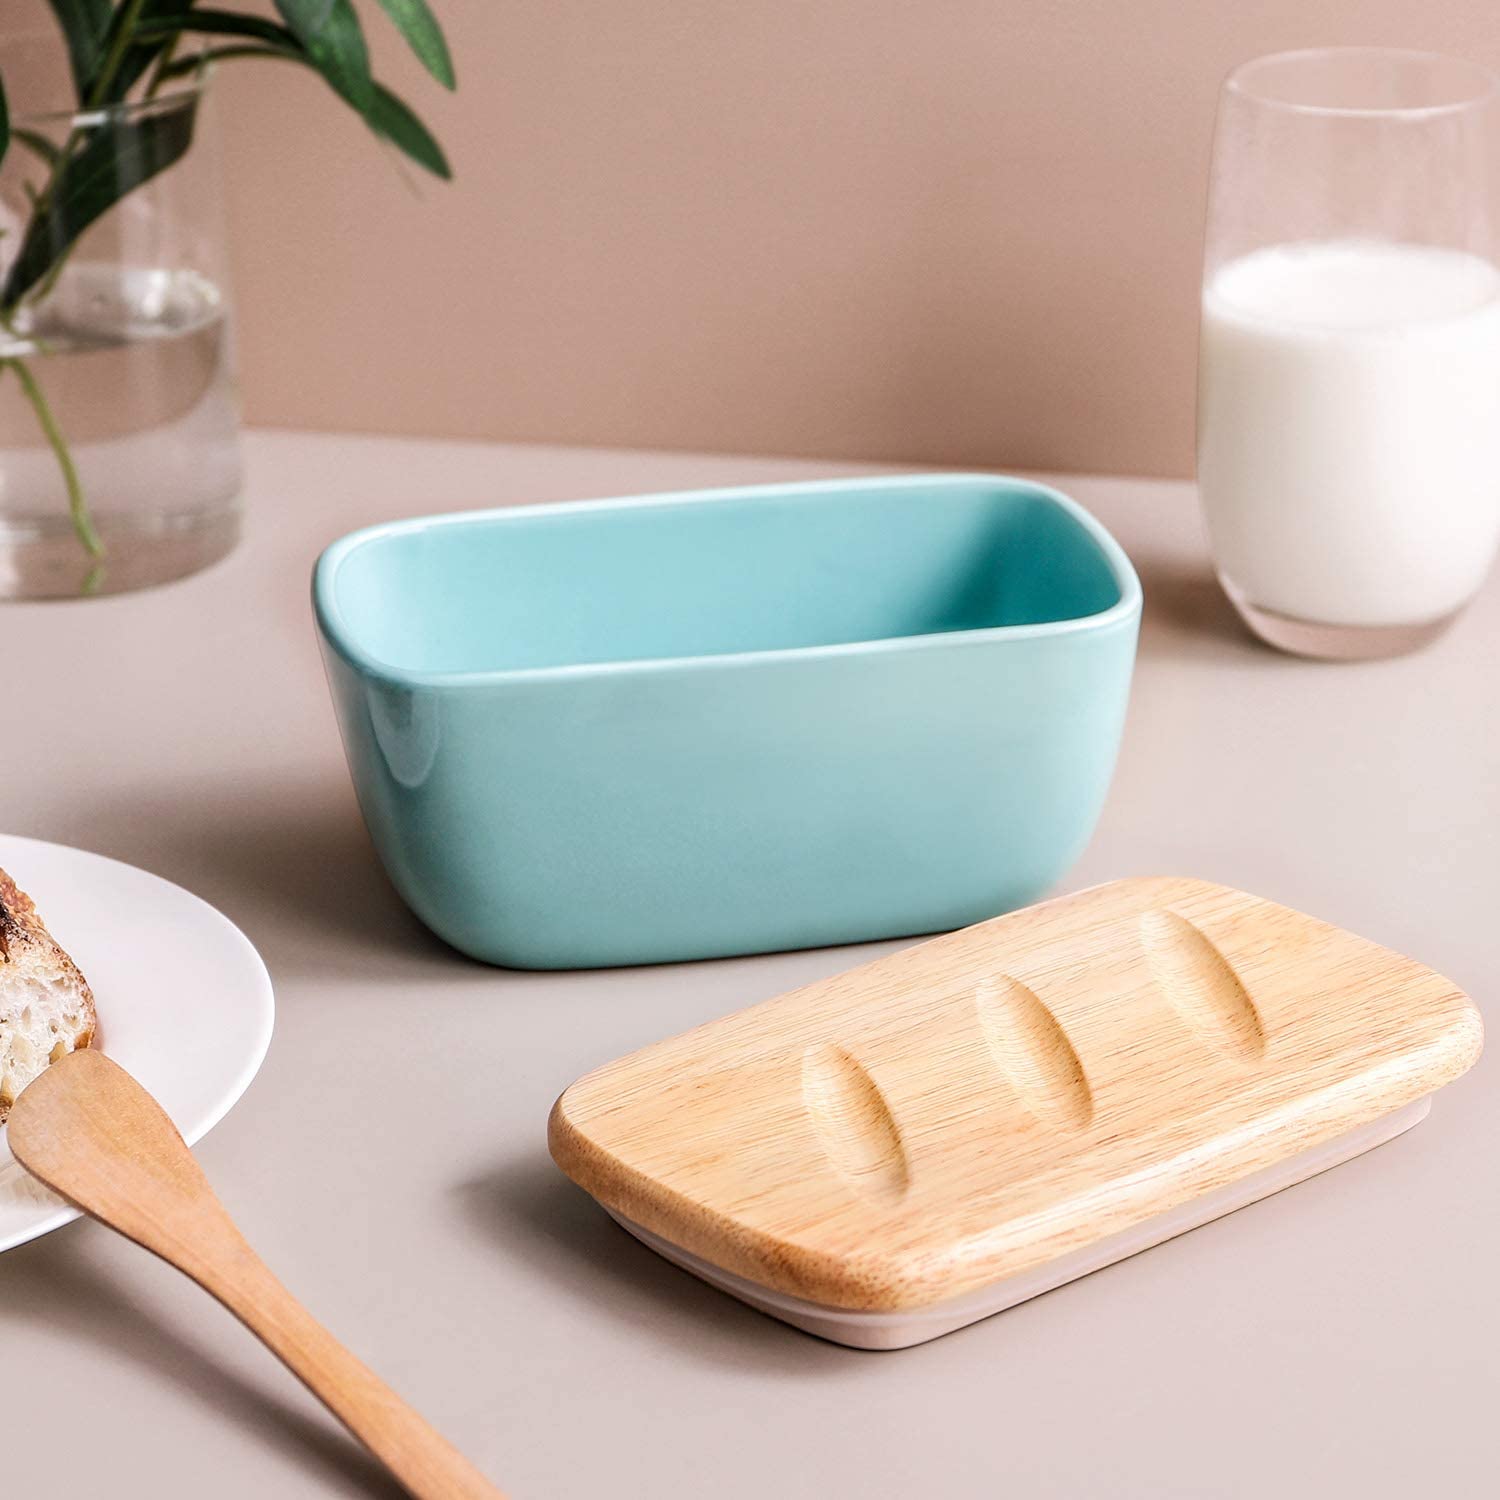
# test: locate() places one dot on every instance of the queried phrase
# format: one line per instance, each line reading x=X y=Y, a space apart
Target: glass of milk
x=1349 y=370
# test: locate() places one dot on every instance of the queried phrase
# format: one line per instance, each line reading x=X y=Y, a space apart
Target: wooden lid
x=972 y=1107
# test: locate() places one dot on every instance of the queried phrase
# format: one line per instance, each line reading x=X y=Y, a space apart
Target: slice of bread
x=46 y=1009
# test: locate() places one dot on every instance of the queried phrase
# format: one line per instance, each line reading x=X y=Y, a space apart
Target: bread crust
x=26 y=945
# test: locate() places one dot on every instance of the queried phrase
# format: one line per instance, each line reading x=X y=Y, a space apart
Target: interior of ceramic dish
x=730 y=572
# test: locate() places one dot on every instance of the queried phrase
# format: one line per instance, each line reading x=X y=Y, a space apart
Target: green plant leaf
x=215 y=23
x=35 y=142
x=160 y=32
x=424 y=36
x=148 y=39
x=186 y=65
x=84 y=25
x=330 y=33
x=387 y=116
x=117 y=157
x=392 y=119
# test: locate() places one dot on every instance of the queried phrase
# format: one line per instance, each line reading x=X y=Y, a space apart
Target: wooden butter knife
x=89 y=1131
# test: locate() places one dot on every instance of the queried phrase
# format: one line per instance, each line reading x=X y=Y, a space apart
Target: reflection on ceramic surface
x=404 y=722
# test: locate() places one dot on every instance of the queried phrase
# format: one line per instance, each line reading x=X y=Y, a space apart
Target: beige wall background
x=959 y=231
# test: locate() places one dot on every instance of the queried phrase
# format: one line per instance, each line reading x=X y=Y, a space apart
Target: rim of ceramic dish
x=335 y=631
x=1483 y=83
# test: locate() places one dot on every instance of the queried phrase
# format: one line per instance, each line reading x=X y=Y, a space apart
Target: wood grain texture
x=854 y=1124
x=1000 y=1096
x=1033 y=1052
x=91 y=1133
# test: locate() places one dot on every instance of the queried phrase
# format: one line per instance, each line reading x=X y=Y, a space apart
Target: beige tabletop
x=1340 y=1339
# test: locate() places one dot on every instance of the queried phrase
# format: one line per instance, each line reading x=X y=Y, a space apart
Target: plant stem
x=96 y=97
x=77 y=507
x=40 y=292
x=160 y=73
x=199 y=60
x=116 y=54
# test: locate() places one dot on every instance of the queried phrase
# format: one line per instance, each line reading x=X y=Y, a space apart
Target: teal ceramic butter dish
x=686 y=726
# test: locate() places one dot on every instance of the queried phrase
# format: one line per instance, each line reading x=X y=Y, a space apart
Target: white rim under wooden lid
x=972 y=1108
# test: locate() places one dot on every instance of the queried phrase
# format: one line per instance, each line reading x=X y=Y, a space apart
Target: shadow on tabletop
x=1184 y=601
x=290 y=863
x=535 y=1216
x=50 y=1283
x=1187 y=613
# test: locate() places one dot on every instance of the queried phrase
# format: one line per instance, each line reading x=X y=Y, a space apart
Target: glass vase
x=119 y=424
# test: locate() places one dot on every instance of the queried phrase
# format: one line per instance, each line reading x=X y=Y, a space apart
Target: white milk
x=1349 y=429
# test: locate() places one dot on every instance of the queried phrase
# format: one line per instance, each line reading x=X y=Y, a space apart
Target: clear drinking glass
x=120 y=356
x=1349 y=369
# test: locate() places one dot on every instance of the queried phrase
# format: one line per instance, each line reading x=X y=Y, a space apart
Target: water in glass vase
x=137 y=368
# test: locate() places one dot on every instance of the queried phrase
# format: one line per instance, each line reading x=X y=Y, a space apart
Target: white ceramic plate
x=184 y=999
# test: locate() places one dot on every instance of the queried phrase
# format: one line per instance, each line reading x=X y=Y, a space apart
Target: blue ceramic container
x=683 y=726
